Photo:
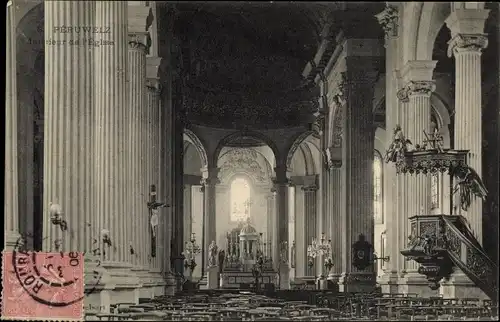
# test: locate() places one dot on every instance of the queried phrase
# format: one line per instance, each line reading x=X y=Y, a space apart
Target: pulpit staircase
x=441 y=242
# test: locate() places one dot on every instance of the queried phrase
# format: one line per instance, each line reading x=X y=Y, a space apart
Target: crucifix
x=154 y=207
x=434 y=139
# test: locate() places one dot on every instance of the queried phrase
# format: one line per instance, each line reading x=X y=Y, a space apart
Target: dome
x=248 y=229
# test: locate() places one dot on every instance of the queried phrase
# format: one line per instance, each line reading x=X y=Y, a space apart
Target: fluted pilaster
x=416 y=119
x=68 y=124
x=137 y=101
x=11 y=214
x=336 y=222
x=310 y=224
x=150 y=169
x=466 y=44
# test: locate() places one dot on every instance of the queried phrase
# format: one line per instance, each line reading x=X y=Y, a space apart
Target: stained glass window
x=240 y=200
x=377 y=188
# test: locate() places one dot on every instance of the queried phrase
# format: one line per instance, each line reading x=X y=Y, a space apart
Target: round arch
x=238 y=134
x=196 y=142
x=295 y=145
x=432 y=18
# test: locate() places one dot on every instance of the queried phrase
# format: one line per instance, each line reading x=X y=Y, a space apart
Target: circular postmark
x=53 y=279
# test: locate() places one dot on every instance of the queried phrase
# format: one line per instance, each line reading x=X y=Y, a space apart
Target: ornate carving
x=416 y=88
x=362 y=252
x=310 y=188
x=360 y=278
x=153 y=84
x=467 y=42
x=388 y=19
x=243 y=159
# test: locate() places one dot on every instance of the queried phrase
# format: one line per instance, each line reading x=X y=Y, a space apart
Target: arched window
x=240 y=200
x=377 y=188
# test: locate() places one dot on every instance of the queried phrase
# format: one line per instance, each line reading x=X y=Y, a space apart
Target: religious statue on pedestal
x=212 y=254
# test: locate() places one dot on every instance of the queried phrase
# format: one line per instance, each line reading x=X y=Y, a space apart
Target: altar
x=246 y=262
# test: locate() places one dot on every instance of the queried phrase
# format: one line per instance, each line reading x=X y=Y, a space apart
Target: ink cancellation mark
x=38 y=285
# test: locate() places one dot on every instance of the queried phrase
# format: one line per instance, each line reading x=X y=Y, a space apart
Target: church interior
x=259 y=160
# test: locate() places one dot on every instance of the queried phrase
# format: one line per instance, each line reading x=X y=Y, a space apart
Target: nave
x=224 y=305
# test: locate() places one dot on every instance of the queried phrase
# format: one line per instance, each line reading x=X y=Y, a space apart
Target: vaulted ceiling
x=243 y=61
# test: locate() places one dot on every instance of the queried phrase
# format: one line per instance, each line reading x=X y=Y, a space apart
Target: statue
x=398 y=146
x=212 y=254
x=470 y=184
x=222 y=258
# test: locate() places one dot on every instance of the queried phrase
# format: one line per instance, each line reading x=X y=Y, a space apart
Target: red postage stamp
x=42 y=286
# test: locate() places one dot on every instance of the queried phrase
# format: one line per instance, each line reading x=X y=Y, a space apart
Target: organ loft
x=342 y=150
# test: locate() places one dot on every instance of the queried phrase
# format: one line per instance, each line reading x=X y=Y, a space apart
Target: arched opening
x=240 y=200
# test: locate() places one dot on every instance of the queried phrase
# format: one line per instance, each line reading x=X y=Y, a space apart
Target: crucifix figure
x=434 y=138
x=154 y=207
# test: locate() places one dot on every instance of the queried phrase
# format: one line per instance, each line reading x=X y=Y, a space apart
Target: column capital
x=413 y=88
x=310 y=188
x=138 y=18
x=333 y=157
x=388 y=20
x=467 y=21
x=467 y=43
x=210 y=176
x=153 y=84
x=138 y=41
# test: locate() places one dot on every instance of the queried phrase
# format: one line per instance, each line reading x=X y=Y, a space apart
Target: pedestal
x=389 y=283
x=284 y=277
x=126 y=282
x=460 y=286
x=213 y=277
x=98 y=287
x=415 y=283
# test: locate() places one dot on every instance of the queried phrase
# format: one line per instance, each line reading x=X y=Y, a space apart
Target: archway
x=245 y=170
x=304 y=163
x=195 y=161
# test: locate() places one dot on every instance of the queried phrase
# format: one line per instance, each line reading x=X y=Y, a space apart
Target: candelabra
x=321 y=247
x=191 y=250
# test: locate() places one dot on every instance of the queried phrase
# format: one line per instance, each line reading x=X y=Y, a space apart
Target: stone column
x=153 y=101
x=335 y=182
x=209 y=181
x=11 y=214
x=415 y=119
x=188 y=215
x=466 y=44
x=310 y=223
x=300 y=238
x=357 y=177
x=166 y=214
x=281 y=248
x=269 y=232
x=388 y=20
x=69 y=122
x=137 y=106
